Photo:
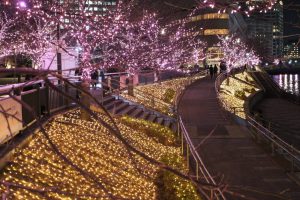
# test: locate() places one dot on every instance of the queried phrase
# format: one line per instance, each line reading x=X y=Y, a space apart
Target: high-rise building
x=90 y=7
x=93 y=7
x=291 y=51
x=263 y=29
x=96 y=7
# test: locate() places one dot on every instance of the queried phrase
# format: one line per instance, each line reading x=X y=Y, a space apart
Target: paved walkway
x=230 y=152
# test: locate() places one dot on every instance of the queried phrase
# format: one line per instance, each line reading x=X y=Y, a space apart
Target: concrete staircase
x=120 y=107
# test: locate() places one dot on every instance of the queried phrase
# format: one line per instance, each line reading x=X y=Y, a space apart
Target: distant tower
x=263 y=29
x=291 y=51
x=91 y=7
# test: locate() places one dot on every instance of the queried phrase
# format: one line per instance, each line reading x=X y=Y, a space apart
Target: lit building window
x=209 y=16
x=216 y=32
x=214 y=54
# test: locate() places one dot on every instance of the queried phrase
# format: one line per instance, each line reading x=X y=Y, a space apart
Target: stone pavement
x=230 y=153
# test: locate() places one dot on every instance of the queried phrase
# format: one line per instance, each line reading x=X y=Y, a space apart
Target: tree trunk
x=227 y=79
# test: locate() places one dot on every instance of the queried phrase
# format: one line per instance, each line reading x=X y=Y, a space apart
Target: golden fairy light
x=92 y=148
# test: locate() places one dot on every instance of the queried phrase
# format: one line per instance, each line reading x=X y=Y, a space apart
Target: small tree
x=236 y=54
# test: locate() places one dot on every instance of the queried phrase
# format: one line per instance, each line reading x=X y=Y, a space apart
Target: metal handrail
x=200 y=166
x=275 y=141
x=6 y=88
x=273 y=136
x=268 y=134
x=272 y=126
x=199 y=162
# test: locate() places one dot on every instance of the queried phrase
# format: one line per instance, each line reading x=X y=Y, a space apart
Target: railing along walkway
x=277 y=144
x=223 y=150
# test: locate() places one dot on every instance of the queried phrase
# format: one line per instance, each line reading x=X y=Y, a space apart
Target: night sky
x=291 y=16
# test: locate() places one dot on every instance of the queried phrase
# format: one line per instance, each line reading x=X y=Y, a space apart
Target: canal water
x=288 y=82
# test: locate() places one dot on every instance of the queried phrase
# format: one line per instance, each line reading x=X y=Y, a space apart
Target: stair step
x=160 y=120
x=167 y=123
x=137 y=113
x=121 y=107
x=173 y=127
x=145 y=115
x=152 y=118
x=127 y=111
x=110 y=105
x=108 y=99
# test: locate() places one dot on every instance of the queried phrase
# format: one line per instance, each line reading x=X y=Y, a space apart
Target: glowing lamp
x=22 y=4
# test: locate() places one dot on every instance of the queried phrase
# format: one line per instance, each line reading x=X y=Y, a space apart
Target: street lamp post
x=58 y=54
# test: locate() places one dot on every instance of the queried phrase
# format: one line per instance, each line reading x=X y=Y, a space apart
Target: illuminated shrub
x=240 y=94
x=169 y=95
x=160 y=133
x=173 y=187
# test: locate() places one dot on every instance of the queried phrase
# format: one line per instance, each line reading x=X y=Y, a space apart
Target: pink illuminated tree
x=240 y=6
x=5 y=33
x=236 y=53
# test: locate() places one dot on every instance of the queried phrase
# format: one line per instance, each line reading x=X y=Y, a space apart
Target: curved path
x=229 y=152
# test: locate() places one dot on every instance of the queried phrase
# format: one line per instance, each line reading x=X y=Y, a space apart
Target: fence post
x=38 y=95
x=48 y=99
x=187 y=156
x=67 y=92
x=258 y=138
x=197 y=170
x=273 y=148
x=182 y=144
x=178 y=128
